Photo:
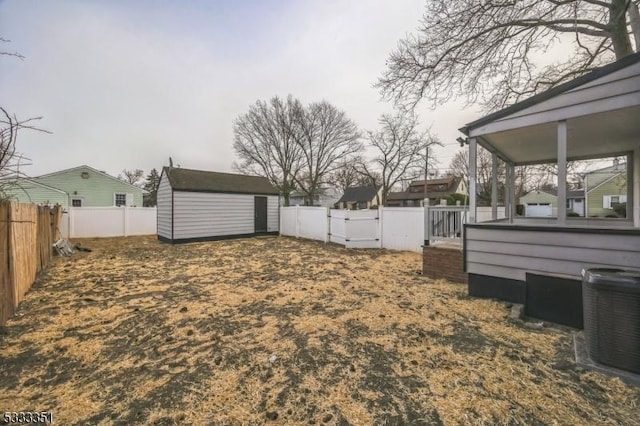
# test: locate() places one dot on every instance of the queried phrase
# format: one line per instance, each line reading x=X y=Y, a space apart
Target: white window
x=120 y=199
x=76 y=202
x=608 y=201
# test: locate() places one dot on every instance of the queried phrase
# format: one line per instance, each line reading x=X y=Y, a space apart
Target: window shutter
x=129 y=199
x=606 y=201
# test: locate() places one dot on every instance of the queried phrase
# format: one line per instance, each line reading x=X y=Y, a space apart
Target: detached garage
x=195 y=205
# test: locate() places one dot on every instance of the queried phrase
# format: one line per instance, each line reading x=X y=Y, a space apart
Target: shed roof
x=203 y=181
x=358 y=194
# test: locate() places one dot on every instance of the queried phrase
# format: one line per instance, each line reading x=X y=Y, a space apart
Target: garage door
x=538 y=210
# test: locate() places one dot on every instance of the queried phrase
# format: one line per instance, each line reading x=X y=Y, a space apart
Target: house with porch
x=539 y=261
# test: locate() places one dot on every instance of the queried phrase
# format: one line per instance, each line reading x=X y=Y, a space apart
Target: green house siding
x=28 y=192
x=617 y=185
x=94 y=188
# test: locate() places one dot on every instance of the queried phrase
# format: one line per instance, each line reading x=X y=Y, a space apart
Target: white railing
x=444 y=223
x=88 y=222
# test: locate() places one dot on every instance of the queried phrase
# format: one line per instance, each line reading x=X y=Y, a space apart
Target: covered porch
x=538 y=261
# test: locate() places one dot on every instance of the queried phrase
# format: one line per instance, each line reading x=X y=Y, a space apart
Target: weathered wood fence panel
x=6 y=287
x=27 y=234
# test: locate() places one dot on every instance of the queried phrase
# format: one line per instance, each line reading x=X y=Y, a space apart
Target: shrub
x=620 y=209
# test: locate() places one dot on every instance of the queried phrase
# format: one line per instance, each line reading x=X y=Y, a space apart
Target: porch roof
x=601 y=109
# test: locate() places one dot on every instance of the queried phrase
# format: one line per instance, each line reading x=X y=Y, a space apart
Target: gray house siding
x=203 y=215
x=164 y=204
x=510 y=253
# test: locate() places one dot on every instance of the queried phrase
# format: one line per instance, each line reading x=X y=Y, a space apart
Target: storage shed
x=196 y=205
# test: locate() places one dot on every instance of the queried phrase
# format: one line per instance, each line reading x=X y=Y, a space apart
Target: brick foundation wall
x=443 y=263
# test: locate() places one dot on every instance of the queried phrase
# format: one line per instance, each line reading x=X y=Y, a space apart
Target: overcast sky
x=126 y=84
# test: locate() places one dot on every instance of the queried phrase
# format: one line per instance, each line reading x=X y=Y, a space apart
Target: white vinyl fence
x=86 y=222
x=395 y=228
x=398 y=228
x=355 y=228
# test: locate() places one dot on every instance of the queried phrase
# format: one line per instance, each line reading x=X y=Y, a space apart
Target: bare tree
x=347 y=174
x=267 y=141
x=10 y=125
x=327 y=136
x=459 y=167
x=527 y=178
x=10 y=159
x=399 y=148
x=487 y=50
x=132 y=177
x=14 y=54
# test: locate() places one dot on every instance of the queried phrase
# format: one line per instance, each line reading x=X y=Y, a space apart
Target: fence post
x=427 y=225
x=125 y=221
x=297 y=222
x=71 y=228
x=328 y=225
x=380 y=228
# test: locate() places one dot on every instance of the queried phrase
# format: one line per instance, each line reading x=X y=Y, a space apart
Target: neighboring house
x=196 y=205
x=544 y=203
x=328 y=197
x=32 y=191
x=359 y=197
x=541 y=263
x=81 y=186
x=605 y=188
x=436 y=188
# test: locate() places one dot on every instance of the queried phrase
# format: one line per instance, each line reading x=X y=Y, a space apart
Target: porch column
x=510 y=203
x=636 y=187
x=473 y=148
x=494 y=186
x=562 y=172
x=631 y=165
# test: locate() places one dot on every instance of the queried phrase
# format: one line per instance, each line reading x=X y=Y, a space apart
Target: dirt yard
x=283 y=331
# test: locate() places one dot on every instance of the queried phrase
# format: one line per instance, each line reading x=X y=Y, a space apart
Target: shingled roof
x=357 y=194
x=202 y=181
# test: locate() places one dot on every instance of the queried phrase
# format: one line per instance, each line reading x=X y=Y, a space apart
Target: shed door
x=260 y=210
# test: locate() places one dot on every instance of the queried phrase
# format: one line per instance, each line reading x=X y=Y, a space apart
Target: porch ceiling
x=588 y=136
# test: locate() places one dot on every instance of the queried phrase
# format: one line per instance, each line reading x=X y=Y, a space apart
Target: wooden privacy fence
x=27 y=234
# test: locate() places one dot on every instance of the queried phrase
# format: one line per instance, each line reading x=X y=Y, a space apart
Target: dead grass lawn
x=139 y=332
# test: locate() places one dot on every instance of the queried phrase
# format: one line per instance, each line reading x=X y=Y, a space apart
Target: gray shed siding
x=204 y=214
x=511 y=253
x=164 y=208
